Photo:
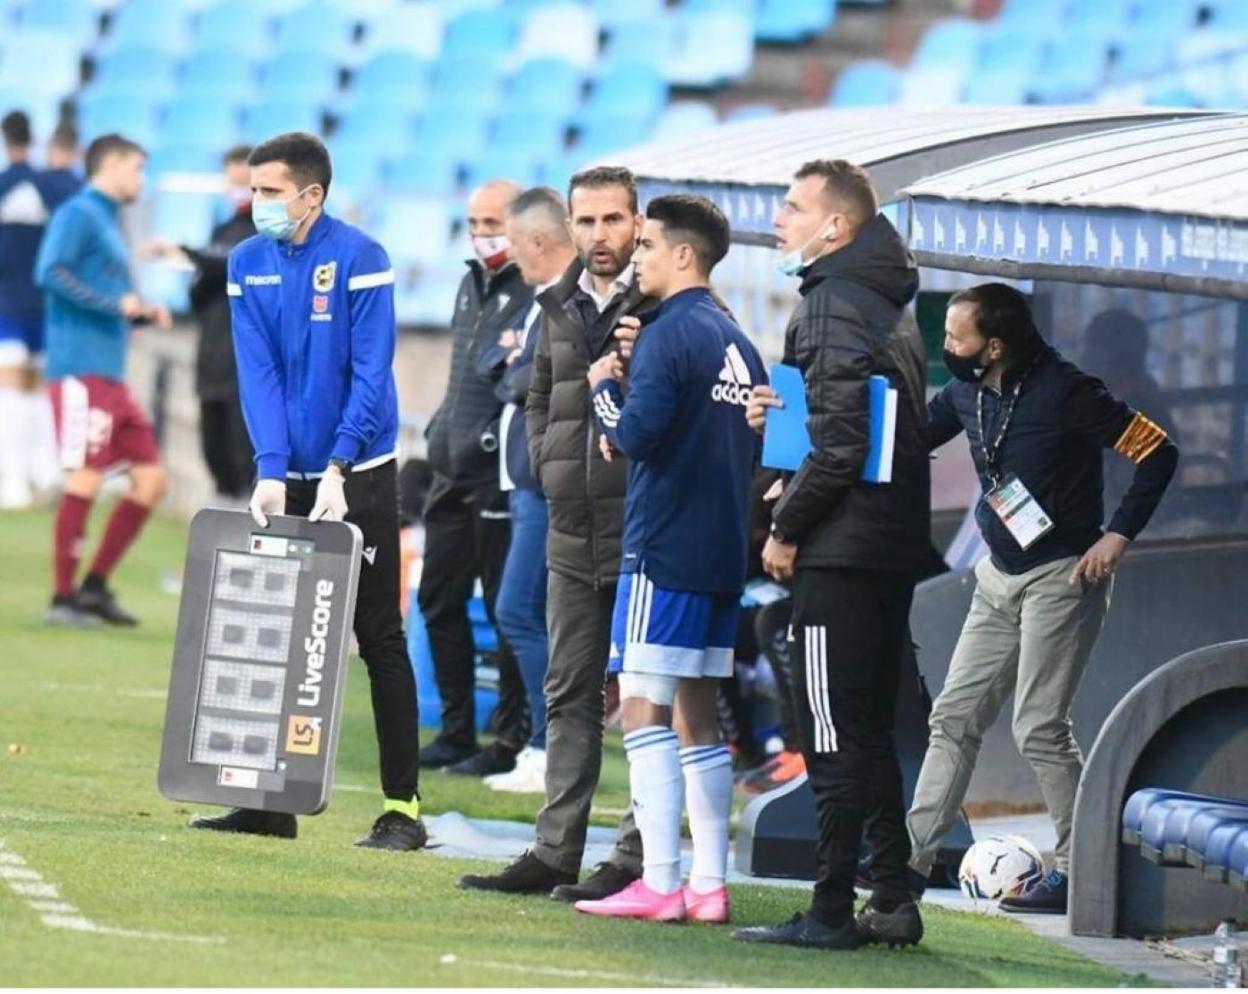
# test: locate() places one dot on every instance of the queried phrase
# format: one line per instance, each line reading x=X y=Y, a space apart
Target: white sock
x=708 y=795
x=43 y=458
x=655 y=780
x=13 y=482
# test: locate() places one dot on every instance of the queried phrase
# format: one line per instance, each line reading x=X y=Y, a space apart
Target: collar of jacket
x=877 y=258
x=558 y=295
x=316 y=234
x=1027 y=363
x=489 y=281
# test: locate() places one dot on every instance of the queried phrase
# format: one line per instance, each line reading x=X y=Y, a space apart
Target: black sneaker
x=441 y=753
x=802 y=930
x=274 y=823
x=95 y=598
x=607 y=879
x=1048 y=897
x=65 y=612
x=397 y=832
x=494 y=758
x=527 y=875
x=903 y=926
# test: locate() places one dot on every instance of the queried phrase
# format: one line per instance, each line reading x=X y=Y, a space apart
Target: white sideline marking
x=44 y=899
x=632 y=979
x=145 y=693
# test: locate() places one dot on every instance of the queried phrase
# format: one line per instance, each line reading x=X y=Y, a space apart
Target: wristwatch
x=780 y=536
x=343 y=465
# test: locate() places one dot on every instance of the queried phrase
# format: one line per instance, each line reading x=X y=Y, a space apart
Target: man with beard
x=585 y=493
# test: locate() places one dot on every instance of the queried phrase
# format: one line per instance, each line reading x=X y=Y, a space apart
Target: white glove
x=331 y=501
x=269 y=497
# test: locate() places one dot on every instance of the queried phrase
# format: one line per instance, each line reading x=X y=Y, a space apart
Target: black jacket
x=512 y=387
x=584 y=492
x=216 y=378
x=484 y=309
x=1062 y=422
x=851 y=324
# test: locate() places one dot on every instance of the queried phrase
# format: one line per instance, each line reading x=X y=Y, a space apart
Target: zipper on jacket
x=589 y=499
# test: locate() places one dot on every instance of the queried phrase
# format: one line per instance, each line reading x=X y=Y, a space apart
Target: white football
x=999 y=866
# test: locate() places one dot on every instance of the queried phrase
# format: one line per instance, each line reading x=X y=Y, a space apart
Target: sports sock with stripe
x=657 y=788
x=708 y=797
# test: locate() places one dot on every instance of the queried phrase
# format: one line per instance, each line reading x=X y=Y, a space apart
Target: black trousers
x=850 y=630
x=373 y=507
x=466 y=536
x=226 y=446
x=771 y=626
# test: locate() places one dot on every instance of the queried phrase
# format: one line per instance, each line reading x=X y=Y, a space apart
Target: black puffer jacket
x=852 y=323
x=584 y=492
x=484 y=309
x=216 y=378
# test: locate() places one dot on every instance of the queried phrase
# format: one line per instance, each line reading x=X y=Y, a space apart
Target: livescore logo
x=303 y=735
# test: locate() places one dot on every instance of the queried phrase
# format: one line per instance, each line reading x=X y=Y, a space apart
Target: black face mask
x=969 y=369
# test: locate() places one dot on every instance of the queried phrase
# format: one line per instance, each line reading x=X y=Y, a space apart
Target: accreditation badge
x=1025 y=519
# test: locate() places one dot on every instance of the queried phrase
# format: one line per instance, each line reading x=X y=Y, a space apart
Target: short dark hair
x=847 y=183
x=303 y=154
x=599 y=176
x=16 y=128
x=236 y=153
x=694 y=221
x=65 y=136
x=111 y=144
x=1003 y=313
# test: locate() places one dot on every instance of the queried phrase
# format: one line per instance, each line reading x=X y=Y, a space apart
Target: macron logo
x=274 y=280
x=734 y=379
x=370 y=553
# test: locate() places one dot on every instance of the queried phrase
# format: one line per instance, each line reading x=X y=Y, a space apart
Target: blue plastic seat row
x=1178 y=828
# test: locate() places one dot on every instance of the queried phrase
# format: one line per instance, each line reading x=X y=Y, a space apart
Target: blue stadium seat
x=414 y=228
x=522 y=166
x=867 y=83
x=715 y=48
x=652 y=41
x=1144 y=800
x=42 y=63
x=201 y=120
x=546 y=86
x=1002 y=86
x=450 y=132
x=612 y=14
x=684 y=117
x=537 y=135
x=236 y=26
x=1166 y=824
x=793 y=21
x=416 y=28
x=386 y=129
x=952 y=43
x=297 y=75
x=567 y=31
x=1237 y=861
x=1104 y=18
x=1141 y=56
x=182 y=158
x=1206 y=59
x=184 y=218
x=126 y=113
x=225 y=74
x=480 y=34
x=1170 y=92
x=150 y=23
x=932 y=85
x=270 y=117
x=1038 y=17
x=139 y=69
x=607 y=133
x=358 y=169
x=465 y=82
x=398 y=79
x=1071 y=71
x=424 y=173
x=634 y=89
x=1165 y=17
x=1228 y=15
x=1209 y=837
x=320 y=27
x=75 y=21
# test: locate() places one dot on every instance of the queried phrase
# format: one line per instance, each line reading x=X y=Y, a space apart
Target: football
x=999 y=866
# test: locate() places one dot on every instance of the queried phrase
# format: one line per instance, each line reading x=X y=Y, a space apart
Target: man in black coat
x=851 y=550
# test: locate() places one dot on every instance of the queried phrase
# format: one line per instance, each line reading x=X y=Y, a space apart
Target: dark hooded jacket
x=852 y=323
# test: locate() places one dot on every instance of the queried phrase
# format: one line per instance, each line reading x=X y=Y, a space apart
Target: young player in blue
x=685 y=544
x=312 y=309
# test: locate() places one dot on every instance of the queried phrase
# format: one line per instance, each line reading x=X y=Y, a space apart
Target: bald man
x=467 y=522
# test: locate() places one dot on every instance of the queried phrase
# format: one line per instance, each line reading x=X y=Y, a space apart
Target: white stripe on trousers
x=817 y=695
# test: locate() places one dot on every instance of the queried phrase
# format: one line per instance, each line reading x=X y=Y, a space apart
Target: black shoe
x=395 y=831
x=95 y=598
x=1048 y=897
x=527 y=875
x=607 y=879
x=65 y=612
x=903 y=926
x=802 y=930
x=441 y=753
x=494 y=758
x=274 y=823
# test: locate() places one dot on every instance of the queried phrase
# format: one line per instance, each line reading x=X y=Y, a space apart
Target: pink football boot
x=712 y=907
x=638 y=901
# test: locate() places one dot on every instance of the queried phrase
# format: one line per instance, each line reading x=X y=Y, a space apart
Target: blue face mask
x=272 y=218
x=792 y=263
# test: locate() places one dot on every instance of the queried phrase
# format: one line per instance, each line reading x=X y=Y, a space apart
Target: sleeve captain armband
x=1141 y=439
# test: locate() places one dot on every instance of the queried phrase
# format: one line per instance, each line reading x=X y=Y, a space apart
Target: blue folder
x=786 y=441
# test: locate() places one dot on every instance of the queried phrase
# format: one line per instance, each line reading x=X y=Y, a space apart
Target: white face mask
x=491 y=249
x=792 y=263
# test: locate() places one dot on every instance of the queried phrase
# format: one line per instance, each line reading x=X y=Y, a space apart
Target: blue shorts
x=21 y=339
x=672 y=632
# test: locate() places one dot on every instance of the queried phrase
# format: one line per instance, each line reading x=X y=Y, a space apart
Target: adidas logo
x=734 y=379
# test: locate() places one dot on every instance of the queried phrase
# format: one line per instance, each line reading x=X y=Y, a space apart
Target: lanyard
x=992 y=452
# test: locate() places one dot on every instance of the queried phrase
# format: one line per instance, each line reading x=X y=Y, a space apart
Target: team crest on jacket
x=323 y=277
x=320 y=303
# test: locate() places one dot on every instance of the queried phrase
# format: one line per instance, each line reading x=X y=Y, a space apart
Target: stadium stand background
x=419 y=99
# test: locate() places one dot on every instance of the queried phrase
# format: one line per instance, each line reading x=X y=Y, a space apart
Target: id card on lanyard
x=1009 y=498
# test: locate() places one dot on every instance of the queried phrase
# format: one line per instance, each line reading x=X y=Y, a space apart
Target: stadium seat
x=1103 y=18
x=270 y=117
x=479 y=34
x=522 y=166
x=793 y=21
x=684 y=117
x=931 y=86
x=608 y=133
x=566 y=31
x=451 y=132
x=184 y=218
x=76 y=22
x=652 y=42
x=125 y=113
x=1043 y=19
x=225 y=74
x=398 y=79
x=416 y=28
x=1165 y=17
x=1169 y=91
x=612 y=14
x=1071 y=71
x=297 y=75
x=358 y=168
x=150 y=24
x=948 y=45
x=1210 y=835
x=201 y=120
x=1205 y=60
x=42 y=63
x=546 y=86
x=420 y=172
x=1237 y=861
x=1141 y=56
x=236 y=26
x=467 y=82
x=866 y=83
x=138 y=69
x=536 y=135
x=1228 y=15
x=320 y=27
x=1167 y=823
x=1142 y=801
x=181 y=158
x=385 y=128
x=713 y=48
x=634 y=89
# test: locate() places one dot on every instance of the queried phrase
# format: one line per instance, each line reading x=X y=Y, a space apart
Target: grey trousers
x=1031 y=634
x=578 y=619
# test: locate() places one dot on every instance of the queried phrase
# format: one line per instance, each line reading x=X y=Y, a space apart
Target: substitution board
x=259 y=666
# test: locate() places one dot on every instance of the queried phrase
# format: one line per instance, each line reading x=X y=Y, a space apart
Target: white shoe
x=528 y=777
